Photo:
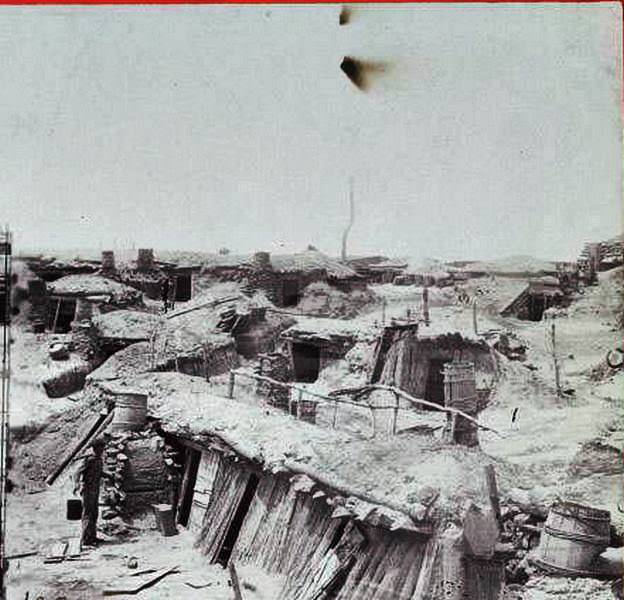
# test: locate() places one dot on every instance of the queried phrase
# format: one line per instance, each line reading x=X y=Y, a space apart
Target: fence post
x=373 y=419
x=299 y=400
x=555 y=359
x=396 y=413
x=231 y=386
x=474 y=316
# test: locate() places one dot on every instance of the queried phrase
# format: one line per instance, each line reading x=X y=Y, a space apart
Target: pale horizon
x=494 y=131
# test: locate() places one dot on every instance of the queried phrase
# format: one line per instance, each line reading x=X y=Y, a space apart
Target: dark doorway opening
x=61 y=313
x=185 y=498
x=434 y=390
x=290 y=292
x=537 y=306
x=306 y=362
x=236 y=524
x=183 y=288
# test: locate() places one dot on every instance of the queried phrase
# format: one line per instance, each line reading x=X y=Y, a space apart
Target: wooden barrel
x=574 y=536
x=130 y=411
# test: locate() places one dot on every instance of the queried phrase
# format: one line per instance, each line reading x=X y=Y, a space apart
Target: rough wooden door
x=204 y=483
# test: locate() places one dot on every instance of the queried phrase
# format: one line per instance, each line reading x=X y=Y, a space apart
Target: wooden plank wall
x=287 y=532
x=386 y=568
x=228 y=489
x=202 y=492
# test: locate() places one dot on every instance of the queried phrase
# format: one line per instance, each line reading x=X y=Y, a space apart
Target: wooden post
x=555 y=361
x=373 y=419
x=231 y=385
x=299 y=400
x=235 y=582
x=383 y=311
x=396 y=414
x=205 y=360
x=474 y=317
x=56 y=315
x=490 y=478
x=425 y=298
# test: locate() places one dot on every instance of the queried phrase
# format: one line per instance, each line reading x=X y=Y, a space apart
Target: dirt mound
x=321 y=300
x=38 y=450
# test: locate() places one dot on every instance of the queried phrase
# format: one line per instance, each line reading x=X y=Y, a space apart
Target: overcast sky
x=494 y=130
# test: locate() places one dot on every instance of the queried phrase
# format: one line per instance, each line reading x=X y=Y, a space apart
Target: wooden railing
x=357 y=397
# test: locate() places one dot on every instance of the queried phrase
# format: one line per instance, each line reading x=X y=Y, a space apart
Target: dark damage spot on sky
x=362 y=72
x=345 y=15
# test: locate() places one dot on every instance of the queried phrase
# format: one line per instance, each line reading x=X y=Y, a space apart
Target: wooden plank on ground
x=74 y=548
x=22 y=554
x=56 y=552
x=98 y=423
x=134 y=586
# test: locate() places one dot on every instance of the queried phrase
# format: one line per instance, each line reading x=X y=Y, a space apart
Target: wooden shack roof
x=306 y=261
x=92 y=285
x=414 y=475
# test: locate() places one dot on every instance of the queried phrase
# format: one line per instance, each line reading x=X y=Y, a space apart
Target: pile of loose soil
x=321 y=300
x=38 y=450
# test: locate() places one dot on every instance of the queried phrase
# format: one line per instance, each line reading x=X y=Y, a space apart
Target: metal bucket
x=74 y=509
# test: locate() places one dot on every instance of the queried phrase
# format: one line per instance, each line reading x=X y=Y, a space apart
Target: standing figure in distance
x=165 y=293
x=87 y=484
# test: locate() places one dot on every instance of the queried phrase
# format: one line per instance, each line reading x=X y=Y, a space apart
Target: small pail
x=74 y=509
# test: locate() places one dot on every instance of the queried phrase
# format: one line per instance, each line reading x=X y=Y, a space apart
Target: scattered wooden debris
x=22 y=554
x=198 y=586
x=74 y=548
x=56 y=553
x=133 y=586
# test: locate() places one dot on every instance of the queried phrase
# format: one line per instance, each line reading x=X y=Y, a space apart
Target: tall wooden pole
x=474 y=317
x=555 y=361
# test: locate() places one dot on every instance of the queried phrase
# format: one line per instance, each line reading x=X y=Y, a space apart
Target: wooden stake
x=490 y=478
x=56 y=315
x=231 y=386
x=474 y=317
x=299 y=400
x=235 y=582
x=555 y=361
x=425 y=299
x=396 y=414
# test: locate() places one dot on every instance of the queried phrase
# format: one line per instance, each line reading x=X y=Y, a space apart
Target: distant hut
x=415 y=362
x=76 y=297
x=541 y=294
x=282 y=277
